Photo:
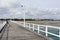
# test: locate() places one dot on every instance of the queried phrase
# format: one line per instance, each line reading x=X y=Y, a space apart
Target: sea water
x=51 y=30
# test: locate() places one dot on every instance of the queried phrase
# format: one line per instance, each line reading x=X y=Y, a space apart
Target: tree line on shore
x=30 y=19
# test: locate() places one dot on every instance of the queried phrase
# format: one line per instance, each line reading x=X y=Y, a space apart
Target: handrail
x=46 y=27
x=2 y=27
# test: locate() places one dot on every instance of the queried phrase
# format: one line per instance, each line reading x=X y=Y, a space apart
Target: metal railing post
x=46 y=31
x=38 y=29
x=59 y=33
x=33 y=27
x=29 y=26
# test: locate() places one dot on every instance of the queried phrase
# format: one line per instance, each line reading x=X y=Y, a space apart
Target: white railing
x=41 y=28
x=46 y=29
x=3 y=30
x=2 y=25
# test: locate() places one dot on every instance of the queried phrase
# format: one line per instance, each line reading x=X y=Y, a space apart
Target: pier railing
x=45 y=30
x=4 y=31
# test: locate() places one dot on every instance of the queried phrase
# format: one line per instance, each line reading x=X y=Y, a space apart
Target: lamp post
x=24 y=14
x=24 y=19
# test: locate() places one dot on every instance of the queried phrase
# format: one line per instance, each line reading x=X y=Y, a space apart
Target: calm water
x=52 y=30
x=55 y=31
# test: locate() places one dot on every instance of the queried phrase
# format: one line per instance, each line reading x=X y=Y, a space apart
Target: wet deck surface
x=16 y=32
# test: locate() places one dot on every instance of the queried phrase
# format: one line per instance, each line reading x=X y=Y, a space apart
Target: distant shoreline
x=31 y=19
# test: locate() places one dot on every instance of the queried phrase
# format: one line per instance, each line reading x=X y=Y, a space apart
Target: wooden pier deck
x=16 y=32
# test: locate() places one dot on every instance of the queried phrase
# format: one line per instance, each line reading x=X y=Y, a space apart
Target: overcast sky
x=10 y=8
x=33 y=3
x=42 y=3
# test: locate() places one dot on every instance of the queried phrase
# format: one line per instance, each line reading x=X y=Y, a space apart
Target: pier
x=14 y=31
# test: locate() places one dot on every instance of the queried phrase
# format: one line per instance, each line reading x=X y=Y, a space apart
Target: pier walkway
x=16 y=32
